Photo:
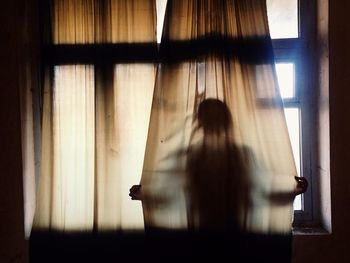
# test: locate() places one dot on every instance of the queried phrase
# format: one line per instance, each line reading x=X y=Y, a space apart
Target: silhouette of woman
x=218 y=173
x=218 y=183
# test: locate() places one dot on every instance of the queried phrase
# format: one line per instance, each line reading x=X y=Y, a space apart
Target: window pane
x=293 y=124
x=286 y=76
x=283 y=18
x=297 y=203
x=161 y=5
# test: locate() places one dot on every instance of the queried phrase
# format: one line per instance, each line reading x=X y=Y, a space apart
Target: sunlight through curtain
x=95 y=118
x=218 y=154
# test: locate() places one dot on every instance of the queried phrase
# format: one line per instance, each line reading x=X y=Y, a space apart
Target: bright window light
x=283 y=18
x=293 y=124
x=161 y=5
x=286 y=76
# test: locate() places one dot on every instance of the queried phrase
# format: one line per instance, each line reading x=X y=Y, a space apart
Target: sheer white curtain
x=95 y=118
x=217 y=55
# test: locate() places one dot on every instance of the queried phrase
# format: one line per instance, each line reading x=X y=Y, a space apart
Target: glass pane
x=161 y=5
x=283 y=18
x=293 y=124
x=285 y=75
x=297 y=203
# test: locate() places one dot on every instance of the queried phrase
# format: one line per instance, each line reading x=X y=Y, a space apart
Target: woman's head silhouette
x=214 y=116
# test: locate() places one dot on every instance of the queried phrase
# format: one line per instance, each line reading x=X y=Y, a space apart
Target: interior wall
x=334 y=247
x=19 y=58
x=12 y=242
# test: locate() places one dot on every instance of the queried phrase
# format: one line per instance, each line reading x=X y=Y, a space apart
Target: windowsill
x=309 y=231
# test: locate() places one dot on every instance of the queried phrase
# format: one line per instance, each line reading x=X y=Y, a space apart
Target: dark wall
x=335 y=247
x=12 y=243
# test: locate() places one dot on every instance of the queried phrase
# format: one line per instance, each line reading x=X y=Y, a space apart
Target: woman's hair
x=214 y=116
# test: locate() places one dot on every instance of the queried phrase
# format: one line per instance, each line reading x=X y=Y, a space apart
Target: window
x=95 y=112
x=289 y=41
x=290 y=25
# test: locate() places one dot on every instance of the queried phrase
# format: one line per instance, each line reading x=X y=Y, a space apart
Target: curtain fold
x=216 y=58
x=95 y=118
x=28 y=79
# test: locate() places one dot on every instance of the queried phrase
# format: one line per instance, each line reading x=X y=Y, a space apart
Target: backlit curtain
x=29 y=95
x=218 y=154
x=95 y=117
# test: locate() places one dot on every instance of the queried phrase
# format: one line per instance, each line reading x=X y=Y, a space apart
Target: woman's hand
x=301 y=186
x=135 y=192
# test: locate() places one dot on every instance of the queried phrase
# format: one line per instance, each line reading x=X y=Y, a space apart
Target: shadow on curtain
x=218 y=155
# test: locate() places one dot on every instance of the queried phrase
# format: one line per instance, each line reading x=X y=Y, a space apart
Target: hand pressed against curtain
x=135 y=192
x=302 y=185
